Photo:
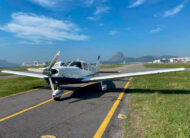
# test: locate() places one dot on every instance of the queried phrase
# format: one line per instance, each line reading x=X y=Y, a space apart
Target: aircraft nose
x=46 y=71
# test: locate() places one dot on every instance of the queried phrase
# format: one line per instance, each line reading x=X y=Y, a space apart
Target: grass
x=107 y=66
x=176 y=65
x=5 y=74
x=15 y=69
x=16 y=85
x=160 y=106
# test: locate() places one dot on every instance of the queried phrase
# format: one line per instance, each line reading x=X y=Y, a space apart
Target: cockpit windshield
x=66 y=64
x=76 y=64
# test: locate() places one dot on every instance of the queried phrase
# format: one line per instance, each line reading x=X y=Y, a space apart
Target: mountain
x=117 y=57
x=130 y=59
x=146 y=59
x=167 y=57
x=6 y=64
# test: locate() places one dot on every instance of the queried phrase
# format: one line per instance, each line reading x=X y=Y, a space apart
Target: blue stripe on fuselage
x=64 y=80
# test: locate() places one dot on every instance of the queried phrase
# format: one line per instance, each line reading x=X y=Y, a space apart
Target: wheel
x=57 y=98
x=104 y=88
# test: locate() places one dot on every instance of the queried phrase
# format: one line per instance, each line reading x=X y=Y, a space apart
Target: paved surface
x=9 y=76
x=78 y=114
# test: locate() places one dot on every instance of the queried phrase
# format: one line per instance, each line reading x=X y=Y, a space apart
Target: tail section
x=98 y=64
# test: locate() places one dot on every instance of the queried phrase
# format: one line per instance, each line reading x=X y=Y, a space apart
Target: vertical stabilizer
x=98 y=64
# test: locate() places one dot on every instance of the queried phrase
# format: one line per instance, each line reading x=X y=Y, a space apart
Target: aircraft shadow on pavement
x=91 y=91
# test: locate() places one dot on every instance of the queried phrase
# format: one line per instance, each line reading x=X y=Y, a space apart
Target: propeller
x=47 y=71
x=54 y=60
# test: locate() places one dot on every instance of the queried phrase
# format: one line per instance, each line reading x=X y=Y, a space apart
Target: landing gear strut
x=57 y=93
x=104 y=87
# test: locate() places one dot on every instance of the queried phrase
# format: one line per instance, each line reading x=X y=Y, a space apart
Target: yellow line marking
x=90 y=83
x=27 y=109
x=32 y=107
x=48 y=136
x=107 y=119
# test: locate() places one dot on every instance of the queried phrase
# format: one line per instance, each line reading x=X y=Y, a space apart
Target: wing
x=111 y=77
x=108 y=71
x=25 y=74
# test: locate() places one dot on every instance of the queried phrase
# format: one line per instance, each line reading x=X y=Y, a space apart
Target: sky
x=84 y=29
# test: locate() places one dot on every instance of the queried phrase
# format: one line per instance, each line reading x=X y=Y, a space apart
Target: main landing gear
x=104 y=87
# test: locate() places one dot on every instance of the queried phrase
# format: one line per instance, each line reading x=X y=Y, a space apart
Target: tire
x=57 y=98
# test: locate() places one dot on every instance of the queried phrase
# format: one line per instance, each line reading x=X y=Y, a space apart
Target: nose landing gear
x=57 y=94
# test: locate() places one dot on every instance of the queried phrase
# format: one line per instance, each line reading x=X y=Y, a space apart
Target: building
x=180 y=60
x=157 y=61
x=35 y=64
x=173 y=60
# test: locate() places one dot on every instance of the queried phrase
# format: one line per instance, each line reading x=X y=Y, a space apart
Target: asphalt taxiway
x=81 y=113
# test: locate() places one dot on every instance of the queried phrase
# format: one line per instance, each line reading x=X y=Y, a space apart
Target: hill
x=6 y=64
x=119 y=58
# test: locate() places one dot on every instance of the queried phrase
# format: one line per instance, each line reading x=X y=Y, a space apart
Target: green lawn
x=5 y=74
x=16 y=85
x=106 y=66
x=176 y=65
x=160 y=106
x=15 y=69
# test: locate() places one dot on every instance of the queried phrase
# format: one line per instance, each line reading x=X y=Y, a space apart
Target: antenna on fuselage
x=98 y=64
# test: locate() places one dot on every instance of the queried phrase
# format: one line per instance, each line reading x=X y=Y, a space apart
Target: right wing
x=25 y=74
x=124 y=75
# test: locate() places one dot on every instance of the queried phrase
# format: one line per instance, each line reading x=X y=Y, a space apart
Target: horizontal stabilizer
x=25 y=74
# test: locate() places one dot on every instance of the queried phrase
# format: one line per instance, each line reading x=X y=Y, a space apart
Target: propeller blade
x=54 y=60
x=51 y=84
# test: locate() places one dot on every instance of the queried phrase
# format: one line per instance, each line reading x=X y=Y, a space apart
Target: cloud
x=93 y=18
x=113 y=32
x=45 y=3
x=37 y=27
x=174 y=10
x=155 y=30
x=88 y=3
x=101 y=9
x=101 y=24
x=67 y=4
x=136 y=3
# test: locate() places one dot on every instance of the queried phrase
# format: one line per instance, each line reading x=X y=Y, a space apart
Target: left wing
x=118 y=76
x=108 y=71
x=25 y=74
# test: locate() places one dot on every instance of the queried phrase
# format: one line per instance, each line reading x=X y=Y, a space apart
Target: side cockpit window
x=76 y=64
x=67 y=64
x=85 y=66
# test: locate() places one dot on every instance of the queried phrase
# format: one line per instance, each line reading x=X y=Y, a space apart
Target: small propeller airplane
x=79 y=72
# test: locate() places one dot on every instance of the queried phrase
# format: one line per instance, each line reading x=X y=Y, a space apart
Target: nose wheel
x=57 y=94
